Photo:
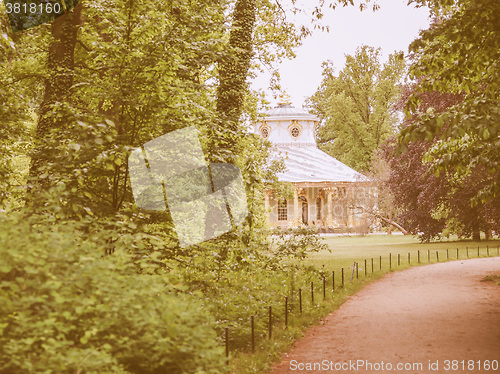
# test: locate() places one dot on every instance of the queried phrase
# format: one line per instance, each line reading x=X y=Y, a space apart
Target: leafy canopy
x=356 y=105
x=460 y=53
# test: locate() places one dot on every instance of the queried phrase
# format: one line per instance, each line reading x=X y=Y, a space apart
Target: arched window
x=318 y=208
x=282 y=210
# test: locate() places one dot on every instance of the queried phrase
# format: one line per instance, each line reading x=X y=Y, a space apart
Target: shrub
x=67 y=308
x=296 y=242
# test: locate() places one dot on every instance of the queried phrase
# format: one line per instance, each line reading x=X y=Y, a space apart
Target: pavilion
x=326 y=193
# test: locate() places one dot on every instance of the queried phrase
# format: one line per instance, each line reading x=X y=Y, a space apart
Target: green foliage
x=234 y=293
x=459 y=53
x=66 y=308
x=150 y=61
x=88 y=283
x=16 y=110
x=357 y=105
x=296 y=243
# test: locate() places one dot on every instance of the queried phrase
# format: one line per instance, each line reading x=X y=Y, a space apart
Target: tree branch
x=386 y=220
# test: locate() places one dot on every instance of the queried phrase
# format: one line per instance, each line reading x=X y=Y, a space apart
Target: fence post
x=488 y=250
x=399 y=259
x=333 y=280
x=390 y=260
x=447 y=254
x=365 y=268
x=457 y=253
x=324 y=288
x=300 y=300
x=467 y=248
x=380 y=262
x=226 y=333
x=312 y=293
x=286 y=312
x=270 y=321
x=342 y=277
x=357 y=270
x=437 y=256
x=372 y=264
x=418 y=259
x=253 y=333
x=478 y=255
x=428 y=255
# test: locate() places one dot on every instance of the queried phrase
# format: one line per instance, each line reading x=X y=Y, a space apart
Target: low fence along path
x=438 y=318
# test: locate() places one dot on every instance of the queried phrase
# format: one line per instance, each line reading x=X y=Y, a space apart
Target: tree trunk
x=58 y=86
x=233 y=73
x=476 y=234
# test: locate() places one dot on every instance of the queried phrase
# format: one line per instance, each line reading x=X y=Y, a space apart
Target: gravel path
x=421 y=316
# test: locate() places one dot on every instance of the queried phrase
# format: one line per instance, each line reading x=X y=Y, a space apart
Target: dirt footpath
x=421 y=316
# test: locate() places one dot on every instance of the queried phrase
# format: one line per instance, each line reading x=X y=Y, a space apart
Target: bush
x=296 y=242
x=66 y=308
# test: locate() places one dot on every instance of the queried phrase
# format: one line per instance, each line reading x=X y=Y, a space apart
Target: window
x=265 y=130
x=295 y=131
x=318 y=208
x=282 y=210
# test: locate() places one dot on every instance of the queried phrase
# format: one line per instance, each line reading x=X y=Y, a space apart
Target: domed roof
x=288 y=111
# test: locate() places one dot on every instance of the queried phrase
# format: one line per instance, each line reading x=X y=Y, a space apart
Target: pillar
x=296 y=217
x=329 y=216
x=350 y=212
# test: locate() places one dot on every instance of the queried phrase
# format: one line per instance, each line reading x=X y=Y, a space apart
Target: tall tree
x=356 y=105
x=150 y=62
x=233 y=73
x=53 y=117
x=435 y=203
x=460 y=54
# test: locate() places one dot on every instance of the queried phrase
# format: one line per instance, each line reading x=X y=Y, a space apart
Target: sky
x=392 y=28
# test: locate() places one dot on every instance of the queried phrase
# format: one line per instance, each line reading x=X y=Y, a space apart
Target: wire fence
x=335 y=282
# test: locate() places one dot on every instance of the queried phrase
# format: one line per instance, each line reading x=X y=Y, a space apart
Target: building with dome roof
x=326 y=193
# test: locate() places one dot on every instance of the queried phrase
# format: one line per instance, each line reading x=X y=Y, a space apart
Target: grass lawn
x=345 y=250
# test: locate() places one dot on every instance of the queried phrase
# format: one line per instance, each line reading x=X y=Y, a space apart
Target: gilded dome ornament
x=284 y=99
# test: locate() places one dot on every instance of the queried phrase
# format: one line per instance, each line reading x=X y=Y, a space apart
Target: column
x=329 y=217
x=350 y=200
x=296 y=218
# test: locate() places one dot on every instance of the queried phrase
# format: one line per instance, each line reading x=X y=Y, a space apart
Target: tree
x=233 y=73
x=435 y=203
x=356 y=105
x=383 y=206
x=459 y=53
x=151 y=61
x=432 y=206
x=52 y=119
x=155 y=64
